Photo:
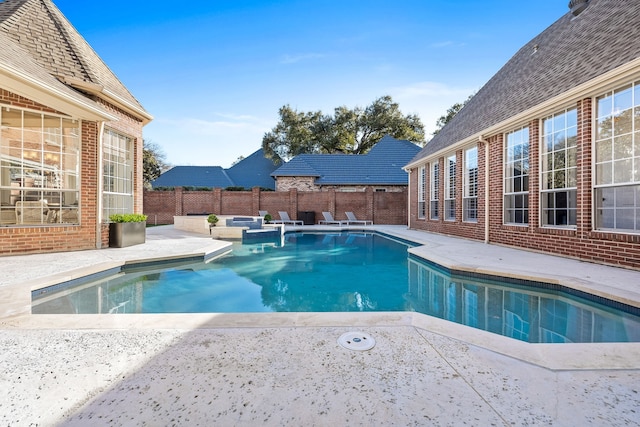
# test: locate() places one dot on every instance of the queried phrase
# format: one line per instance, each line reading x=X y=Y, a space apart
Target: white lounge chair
x=284 y=219
x=328 y=219
x=263 y=213
x=351 y=219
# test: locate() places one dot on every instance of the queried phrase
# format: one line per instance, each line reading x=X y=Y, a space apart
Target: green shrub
x=127 y=218
x=212 y=219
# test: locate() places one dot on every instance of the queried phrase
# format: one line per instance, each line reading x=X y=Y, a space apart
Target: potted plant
x=212 y=219
x=127 y=230
x=268 y=218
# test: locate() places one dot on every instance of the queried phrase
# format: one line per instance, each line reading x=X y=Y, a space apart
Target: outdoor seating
x=328 y=219
x=285 y=219
x=351 y=219
x=263 y=213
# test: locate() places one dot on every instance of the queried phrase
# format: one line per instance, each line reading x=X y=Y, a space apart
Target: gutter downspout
x=408 y=200
x=486 y=187
x=100 y=188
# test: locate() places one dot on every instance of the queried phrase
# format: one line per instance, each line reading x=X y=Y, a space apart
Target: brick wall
x=379 y=207
x=581 y=242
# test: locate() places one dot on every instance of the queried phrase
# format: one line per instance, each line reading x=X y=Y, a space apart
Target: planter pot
x=123 y=234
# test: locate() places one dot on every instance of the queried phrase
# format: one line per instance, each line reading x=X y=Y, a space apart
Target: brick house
x=546 y=156
x=381 y=168
x=70 y=135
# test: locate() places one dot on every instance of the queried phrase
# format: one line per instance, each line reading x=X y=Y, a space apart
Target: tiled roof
x=253 y=171
x=569 y=53
x=39 y=28
x=382 y=165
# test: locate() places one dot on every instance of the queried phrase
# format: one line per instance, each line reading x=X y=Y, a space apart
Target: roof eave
x=25 y=85
x=107 y=95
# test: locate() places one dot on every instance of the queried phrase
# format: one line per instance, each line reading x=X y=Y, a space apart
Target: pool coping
x=588 y=356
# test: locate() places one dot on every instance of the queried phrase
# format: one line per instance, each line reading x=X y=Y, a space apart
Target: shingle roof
x=253 y=171
x=569 y=53
x=39 y=28
x=382 y=165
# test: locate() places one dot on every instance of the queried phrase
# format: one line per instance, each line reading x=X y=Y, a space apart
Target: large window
x=516 y=177
x=450 y=189
x=558 y=169
x=39 y=168
x=422 y=192
x=617 y=158
x=470 y=184
x=434 y=191
x=117 y=173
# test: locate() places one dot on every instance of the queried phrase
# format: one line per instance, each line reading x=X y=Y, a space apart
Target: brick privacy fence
x=377 y=206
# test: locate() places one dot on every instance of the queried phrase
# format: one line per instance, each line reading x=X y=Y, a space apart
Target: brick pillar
x=482 y=189
x=217 y=201
x=534 y=175
x=369 y=203
x=459 y=183
x=293 y=203
x=178 y=201
x=255 y=200
x=332 y=201
x=496 y=201
x=584 y=144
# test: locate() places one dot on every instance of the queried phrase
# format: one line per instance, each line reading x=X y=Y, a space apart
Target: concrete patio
x=288 y=369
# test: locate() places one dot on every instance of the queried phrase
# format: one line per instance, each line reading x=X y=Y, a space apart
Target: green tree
x=350 y=131
x=452 y=111
x=153 y=162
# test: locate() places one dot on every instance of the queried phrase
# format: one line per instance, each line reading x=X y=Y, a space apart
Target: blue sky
x=214 y=73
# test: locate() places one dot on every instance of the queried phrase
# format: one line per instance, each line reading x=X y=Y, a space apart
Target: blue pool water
x=332 y=272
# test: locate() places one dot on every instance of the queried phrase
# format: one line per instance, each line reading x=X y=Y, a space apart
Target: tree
x=350 y=131
x=153 y=162
x=452 y=111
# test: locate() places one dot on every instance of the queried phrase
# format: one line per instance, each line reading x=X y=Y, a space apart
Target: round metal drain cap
x=358 y=341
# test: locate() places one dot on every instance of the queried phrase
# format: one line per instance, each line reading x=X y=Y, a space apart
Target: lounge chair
x=351 y=219
x=284 y=219
x=328 y=219
x=263 y=213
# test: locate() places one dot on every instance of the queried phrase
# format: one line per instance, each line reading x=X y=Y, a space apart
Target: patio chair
x=263 y=213
x=284 y=219
x=351 y=219
x=328 y=219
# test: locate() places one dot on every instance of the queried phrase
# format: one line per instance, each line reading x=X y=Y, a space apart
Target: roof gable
x=571 y=52
x=39 y=28
x=254 y=171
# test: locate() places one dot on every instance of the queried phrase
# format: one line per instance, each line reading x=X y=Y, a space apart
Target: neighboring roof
x=253 y=171
x=50 y=41
x=571 y=52
x=382 y=165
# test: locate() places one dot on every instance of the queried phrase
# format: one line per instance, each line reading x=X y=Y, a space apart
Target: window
x=450 y=189
x=39 y=168
x=117 y=173
x=617 y=159
x=470 y=184
x=558 y=169
x=516 y=177
x=422 y=190
x=434 y=192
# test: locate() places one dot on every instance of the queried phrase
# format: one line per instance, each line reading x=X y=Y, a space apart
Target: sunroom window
x=422 y=192
x=617 y=159
x=558 y=169
x=516 y=177
x=39 y=168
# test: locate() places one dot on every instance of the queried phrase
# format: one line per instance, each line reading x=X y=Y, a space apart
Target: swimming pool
x=332 y=272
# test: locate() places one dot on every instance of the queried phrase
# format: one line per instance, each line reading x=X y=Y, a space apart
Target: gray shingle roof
x=253 y=171
x=569 y=53
x=39 y=28
x=382 y=165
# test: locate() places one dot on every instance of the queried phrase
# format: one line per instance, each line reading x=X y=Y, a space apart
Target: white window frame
x=616 y=158
x=470 y=185
x=451 y=163
x=516 y=177
x=117 y=165
x=558 y=169
x=422 y=192
x=434 y=190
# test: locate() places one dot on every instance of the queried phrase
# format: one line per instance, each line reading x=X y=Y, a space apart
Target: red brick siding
x=582 y=242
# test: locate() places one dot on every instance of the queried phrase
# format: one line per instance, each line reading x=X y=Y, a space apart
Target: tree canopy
x=350 y=131
x=452 y=111
x=153 y=162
